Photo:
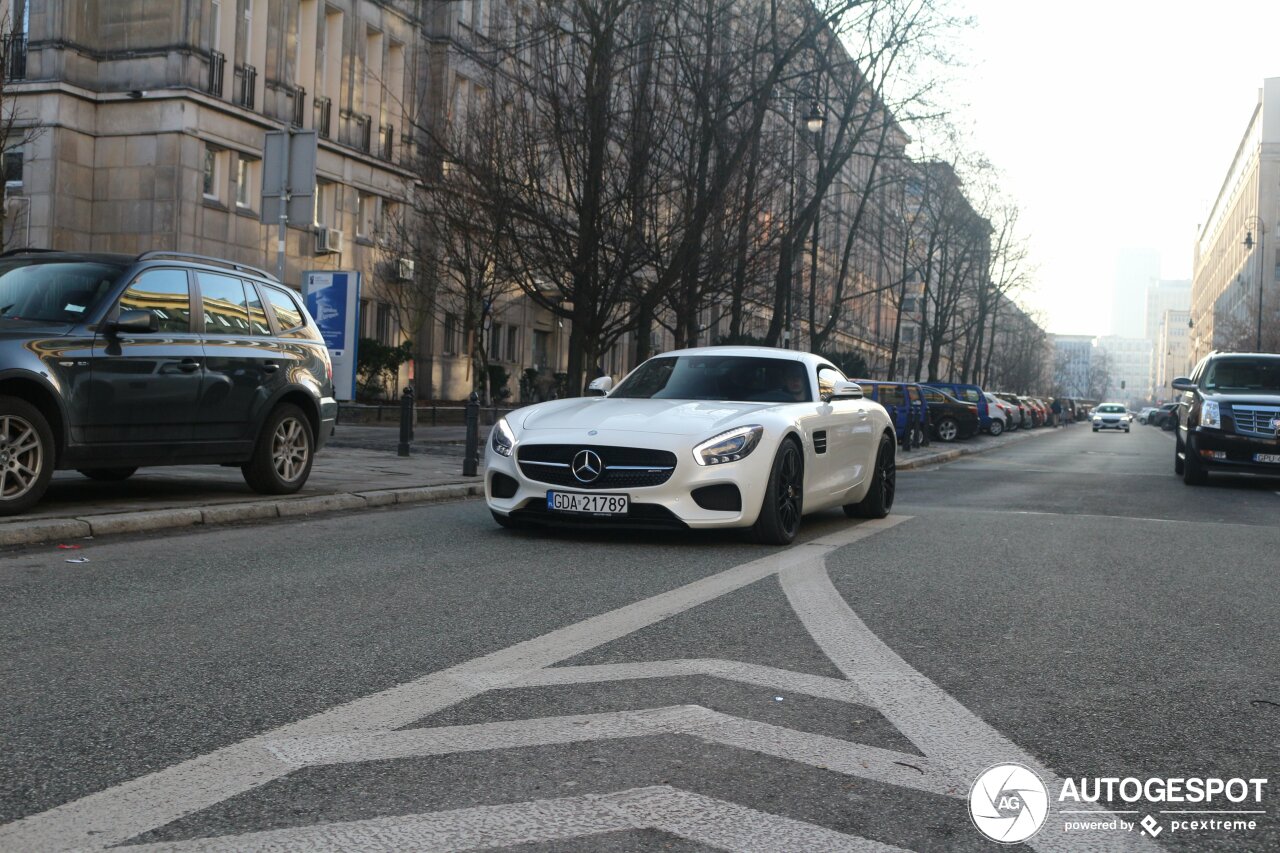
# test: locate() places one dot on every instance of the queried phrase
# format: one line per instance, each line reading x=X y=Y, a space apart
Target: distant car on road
x=1111 y=416
x=1229 y=417
x=109 y=363
x=1145 y=413
x=746 y=437
x=1165 y=417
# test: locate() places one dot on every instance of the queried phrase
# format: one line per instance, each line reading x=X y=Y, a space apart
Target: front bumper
x=668 y=505
x=1237 y=451
x=1121 y=425
x=328 y=417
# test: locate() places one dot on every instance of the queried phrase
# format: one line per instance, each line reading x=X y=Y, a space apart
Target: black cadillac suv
x=1228 y=418
x=113 y=362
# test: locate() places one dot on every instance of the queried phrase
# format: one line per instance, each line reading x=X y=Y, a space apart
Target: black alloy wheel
x=779 y=520
x=884 y=485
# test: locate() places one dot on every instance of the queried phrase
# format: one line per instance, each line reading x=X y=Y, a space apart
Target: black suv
x=1229 y=416
x=112 y=362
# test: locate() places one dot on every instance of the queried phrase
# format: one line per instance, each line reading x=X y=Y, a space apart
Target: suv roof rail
x=209 y=259
x=30 y=250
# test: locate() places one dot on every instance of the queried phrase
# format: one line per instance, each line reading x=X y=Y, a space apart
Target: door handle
x=270 y=367
x=188 y=365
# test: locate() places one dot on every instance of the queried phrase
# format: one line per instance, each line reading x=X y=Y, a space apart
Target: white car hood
x=663 y=417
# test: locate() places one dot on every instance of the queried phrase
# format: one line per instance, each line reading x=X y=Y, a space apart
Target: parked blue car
x=968 y=394
x=906 y=406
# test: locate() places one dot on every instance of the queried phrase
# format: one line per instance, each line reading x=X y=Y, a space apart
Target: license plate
x=590 y=504
x=1273 y=458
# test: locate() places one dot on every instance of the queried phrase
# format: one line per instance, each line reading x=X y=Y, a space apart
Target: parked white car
x=747 y=437
x=1010 y=417
x=1146 y=413
x=1111 y=416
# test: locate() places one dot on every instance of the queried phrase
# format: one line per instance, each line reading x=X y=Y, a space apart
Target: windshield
x=718 y=377
x=1112 y=410
x=1244 y=374
x=55 y=291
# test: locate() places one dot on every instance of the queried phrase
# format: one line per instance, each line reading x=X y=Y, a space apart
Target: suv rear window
x=286 y=309
x=54 y=291
x=1243 y=374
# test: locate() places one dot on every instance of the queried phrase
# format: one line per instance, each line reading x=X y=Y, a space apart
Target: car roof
x=749 y=352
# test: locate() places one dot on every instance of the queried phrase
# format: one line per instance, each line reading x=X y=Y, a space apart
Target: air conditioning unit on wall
x=328 y=241
x=404 y=269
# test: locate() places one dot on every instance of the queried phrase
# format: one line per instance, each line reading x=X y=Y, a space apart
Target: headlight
x=728 y=446
x=503 y=438
x=1210 y=416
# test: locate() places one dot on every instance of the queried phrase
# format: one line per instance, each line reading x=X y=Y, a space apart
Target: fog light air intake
x=502 y=486
x=724 y=497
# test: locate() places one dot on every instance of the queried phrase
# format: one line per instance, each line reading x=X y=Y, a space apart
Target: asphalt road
x=420 y=678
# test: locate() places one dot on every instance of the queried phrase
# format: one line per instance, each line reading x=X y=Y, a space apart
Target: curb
x=40 y=530
x=968 y=450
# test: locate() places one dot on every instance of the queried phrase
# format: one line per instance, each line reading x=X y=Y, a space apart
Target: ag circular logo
x=1008 y=803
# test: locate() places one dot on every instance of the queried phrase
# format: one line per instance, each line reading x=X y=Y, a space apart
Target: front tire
x=26 y=455
x=779 y=519
x=282 y=458
x=948 y=429
x=108 y=475
x=884 y=485
x=1193 y=471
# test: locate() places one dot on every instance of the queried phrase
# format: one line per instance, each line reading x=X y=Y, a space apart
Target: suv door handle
x=188 y=365
x=270 y=367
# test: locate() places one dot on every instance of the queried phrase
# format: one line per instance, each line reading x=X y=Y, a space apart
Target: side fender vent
x=820 y=441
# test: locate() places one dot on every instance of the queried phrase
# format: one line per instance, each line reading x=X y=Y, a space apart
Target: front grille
x=622 y=467
x=1256 y=420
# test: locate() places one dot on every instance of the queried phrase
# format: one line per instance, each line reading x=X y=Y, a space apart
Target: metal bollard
x=471 y=457
x=406 y=422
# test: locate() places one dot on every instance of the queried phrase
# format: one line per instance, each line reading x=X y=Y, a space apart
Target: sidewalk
x=358 y=469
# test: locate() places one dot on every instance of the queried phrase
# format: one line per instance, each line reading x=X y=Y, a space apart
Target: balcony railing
x=246 y=85
x=363 y=131
x=299 y=107
x=15 y=56
x=386 y=141
x=217 y=65
x=323 y=115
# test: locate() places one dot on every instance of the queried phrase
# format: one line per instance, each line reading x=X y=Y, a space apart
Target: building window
x=383 y=330
x=541 y=348
x=213 y=171
x=246 y=180
x=13 y=169
x=325 y=203
x=495 y=342
x=452 y=334
x=512 y=350
x=367 y=212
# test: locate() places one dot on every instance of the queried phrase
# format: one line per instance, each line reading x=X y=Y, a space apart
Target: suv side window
x=891 y=395
x=288 y=315
x=934 y=396
x=225 y=309
x=165 y=293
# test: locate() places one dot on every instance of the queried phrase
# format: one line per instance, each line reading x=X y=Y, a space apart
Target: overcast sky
x=1113 y=124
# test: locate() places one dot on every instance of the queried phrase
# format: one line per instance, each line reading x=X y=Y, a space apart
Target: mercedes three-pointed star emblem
x=586 y=466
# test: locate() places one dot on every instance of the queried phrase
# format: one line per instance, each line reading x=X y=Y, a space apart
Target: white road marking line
x=697 y=818
x=955 y=738
x=782 y=680
x=113 y=816
x=850 y=759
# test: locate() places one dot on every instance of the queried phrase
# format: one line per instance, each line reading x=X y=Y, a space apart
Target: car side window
x=258 y=322
x=891 y=395
x=934 y=397
x=165 y=293
x=913 y=394
x=288 y=314
x=226 y=310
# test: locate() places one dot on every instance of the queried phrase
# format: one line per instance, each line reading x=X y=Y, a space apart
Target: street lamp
x=815 y=119
x=1255 y=222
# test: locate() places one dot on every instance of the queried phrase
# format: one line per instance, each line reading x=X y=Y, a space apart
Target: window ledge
x=214 y=204
x=246 y=211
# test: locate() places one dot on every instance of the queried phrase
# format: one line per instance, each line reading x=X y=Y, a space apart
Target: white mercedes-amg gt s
x=713 y=437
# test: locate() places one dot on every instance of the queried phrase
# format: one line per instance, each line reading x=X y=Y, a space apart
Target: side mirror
x=600 y=386
x=845 y=391
x=135 y=320
x=1182 y=383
